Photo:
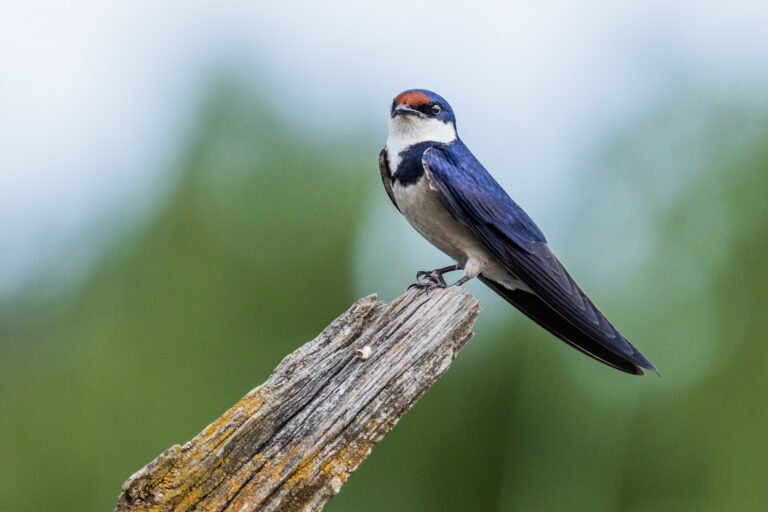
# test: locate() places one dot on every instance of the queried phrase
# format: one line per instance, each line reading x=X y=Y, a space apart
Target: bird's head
x=418 y=115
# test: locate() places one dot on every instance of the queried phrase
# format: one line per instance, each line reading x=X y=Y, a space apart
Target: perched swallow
x=447 y=195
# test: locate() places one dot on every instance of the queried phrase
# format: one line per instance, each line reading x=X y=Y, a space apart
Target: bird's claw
x=428 y=281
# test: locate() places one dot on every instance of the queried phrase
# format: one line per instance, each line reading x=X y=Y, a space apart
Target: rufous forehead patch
x=412 y=99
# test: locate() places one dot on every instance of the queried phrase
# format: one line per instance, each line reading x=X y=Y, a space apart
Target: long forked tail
x=540 y=312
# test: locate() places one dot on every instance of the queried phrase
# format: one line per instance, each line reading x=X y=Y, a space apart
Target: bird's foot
x=430 y=279
x=433 y=278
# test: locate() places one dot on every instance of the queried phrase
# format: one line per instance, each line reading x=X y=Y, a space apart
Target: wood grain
x=291 y=443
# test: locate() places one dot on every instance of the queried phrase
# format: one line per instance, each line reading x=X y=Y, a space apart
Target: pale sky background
x=97 y=98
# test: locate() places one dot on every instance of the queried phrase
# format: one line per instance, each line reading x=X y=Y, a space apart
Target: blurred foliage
x=244 y=261
x=250 y=256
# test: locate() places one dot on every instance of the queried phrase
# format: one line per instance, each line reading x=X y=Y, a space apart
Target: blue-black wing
x=386 y=180
x=478 y=202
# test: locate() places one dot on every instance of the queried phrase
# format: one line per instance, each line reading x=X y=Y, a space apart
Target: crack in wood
x=291 y=443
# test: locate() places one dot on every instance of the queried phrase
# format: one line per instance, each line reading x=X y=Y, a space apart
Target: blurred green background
x=266 y=231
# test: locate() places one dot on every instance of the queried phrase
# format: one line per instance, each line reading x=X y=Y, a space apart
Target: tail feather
x=540 y=312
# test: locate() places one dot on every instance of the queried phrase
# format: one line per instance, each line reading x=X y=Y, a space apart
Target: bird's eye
x=436 y=109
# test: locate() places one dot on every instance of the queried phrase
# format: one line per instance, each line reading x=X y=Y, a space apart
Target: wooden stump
x=291 y=443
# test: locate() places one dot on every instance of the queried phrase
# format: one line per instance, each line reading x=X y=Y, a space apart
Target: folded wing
x=476 y=200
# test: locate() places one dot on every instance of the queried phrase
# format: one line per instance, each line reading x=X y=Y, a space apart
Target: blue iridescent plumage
x=474 y=199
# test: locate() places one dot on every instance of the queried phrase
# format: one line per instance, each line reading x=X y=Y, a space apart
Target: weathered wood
x=291 y=443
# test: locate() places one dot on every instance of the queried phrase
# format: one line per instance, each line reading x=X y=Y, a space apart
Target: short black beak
x=405 y=110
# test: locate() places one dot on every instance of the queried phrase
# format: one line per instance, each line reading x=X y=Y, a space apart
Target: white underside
x=421 y=205
x=423 y=209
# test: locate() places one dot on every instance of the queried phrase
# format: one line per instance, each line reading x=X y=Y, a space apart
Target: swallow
x=447 y=195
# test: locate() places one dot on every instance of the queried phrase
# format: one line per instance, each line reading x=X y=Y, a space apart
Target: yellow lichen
x=249 y=405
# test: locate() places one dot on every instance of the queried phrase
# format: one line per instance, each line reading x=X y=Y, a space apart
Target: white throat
x=405 y=131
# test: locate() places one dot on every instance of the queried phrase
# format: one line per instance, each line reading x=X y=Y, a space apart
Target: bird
x=447 y=195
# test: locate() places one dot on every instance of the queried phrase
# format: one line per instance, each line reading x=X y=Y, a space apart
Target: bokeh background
x=189 y=191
